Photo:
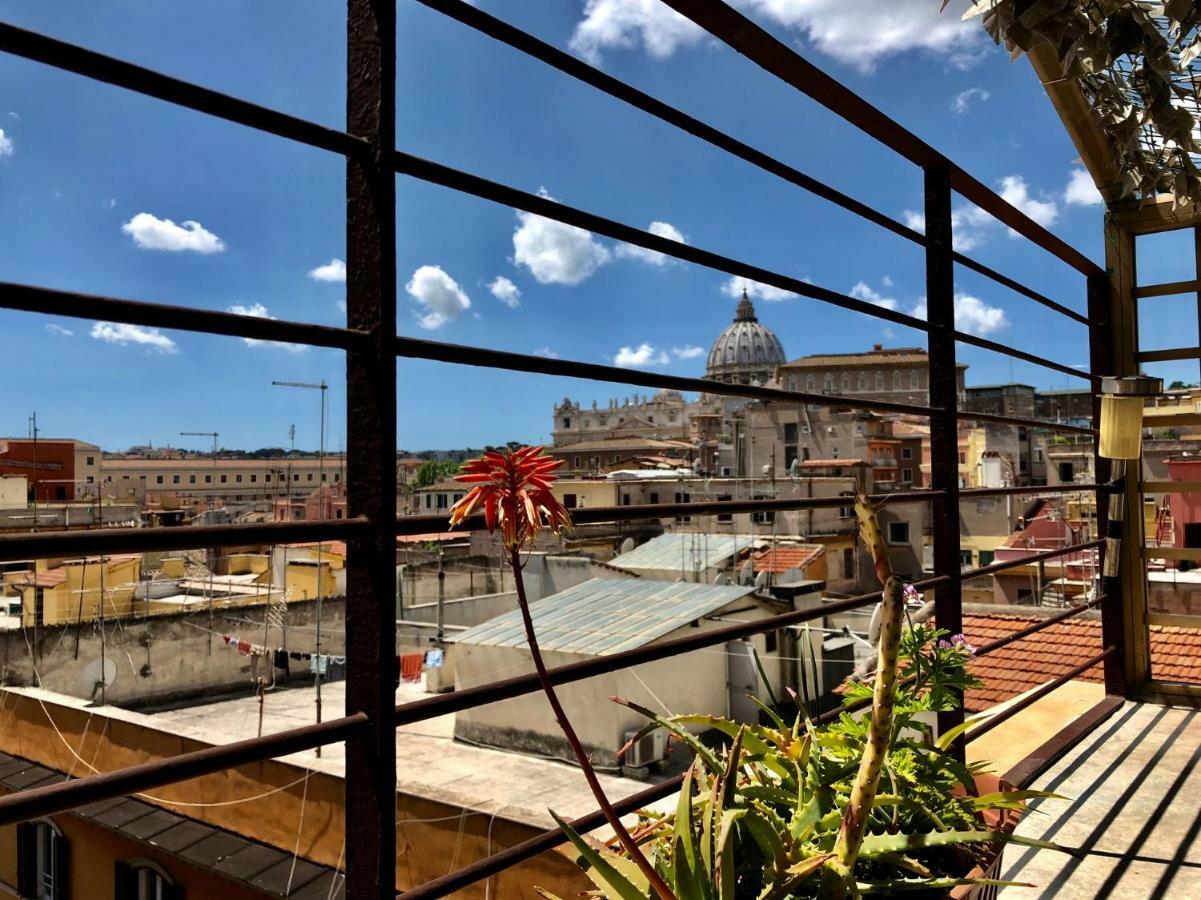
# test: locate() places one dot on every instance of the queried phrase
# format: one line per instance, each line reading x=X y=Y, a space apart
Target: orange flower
x=514 y=492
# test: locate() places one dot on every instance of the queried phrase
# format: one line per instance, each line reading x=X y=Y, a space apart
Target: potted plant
x=792 y=809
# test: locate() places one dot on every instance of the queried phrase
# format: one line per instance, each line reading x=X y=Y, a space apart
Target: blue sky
x=97 y=185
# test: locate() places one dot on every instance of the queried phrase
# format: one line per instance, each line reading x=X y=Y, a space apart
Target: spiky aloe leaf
x=876 y=844
x=805 y=818
x=926 y=884
x=723 y=875
x=545 y=894
x=612 y=883
x=771 y=695
x=948 y=737
x=1011 y=799
x=678 y=730
x=905 y=862
x=772 y=841
x=690 y=880
x=794 y=877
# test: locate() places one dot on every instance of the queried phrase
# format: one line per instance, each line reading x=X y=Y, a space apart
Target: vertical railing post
x=1100 y=349
x=370 y=811
x=944 y=397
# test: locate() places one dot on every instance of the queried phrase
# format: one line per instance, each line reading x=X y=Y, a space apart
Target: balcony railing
x=371 y=348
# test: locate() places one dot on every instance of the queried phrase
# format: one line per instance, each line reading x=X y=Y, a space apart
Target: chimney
x=877 y=347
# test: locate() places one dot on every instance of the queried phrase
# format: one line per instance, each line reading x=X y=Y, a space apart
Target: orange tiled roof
x=1057 y=649
x=781 y=559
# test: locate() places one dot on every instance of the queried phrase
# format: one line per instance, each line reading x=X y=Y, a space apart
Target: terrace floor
x=1133 y=789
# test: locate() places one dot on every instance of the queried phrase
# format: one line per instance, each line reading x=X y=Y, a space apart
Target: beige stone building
x=195 y=480
x=896 y=374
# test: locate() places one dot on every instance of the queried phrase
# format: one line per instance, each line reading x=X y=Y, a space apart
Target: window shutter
x=125 y=882
x=62 y=868
x=27 y=859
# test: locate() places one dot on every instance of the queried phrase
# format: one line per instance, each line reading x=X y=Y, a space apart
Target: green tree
x=433 y=470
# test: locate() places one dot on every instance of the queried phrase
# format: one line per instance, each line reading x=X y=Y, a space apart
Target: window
x=965 y=559
x=575 y=462
x=267 y=477
x=238 y=479
x=208 y=479
x=834 y=452
x=848 y=563
x=569 y=500
x=1038 y=454
x=41 y=861
x=987 y=557
x=914 y=381
x=1067 y=472
x=224 y=479
x=296 y=476
x=324 y=478
x=879 y=381
x=90 y=461
x=442 y=504
x=896 y=381
x=906 y=453
x=725 y=517
x=654 y=498
x=792 y=383
x=337 y=477
x=625 y=499
x=810 y=384
x=863 y=381
x=829 y=383
x=158 y=479
x=906 y=476
x=338 y=513
x=428 y=501
x=566 y=422
x=898 y=533
x=253 y=478
x=144 y=881
x=683 y=497
x=175 y=479
x=805 y=429
x=1025 y=597
x=846 y=512
x=790 y=443
x=962 y=458
x=846 y=382
x=91 y=480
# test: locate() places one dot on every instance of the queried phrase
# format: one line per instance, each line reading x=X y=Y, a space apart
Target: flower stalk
x=514 y=491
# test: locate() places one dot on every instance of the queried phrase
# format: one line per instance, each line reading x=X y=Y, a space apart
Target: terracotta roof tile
x=781 y=559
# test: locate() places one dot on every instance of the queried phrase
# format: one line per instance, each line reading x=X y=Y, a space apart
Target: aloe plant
x=868 y=805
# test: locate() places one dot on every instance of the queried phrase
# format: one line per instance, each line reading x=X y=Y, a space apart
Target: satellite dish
x=760 y=579
x=794 y=467
x=627 y=545
x=721 y=578
x=745 y=573
x=94 y=676
x=873 y=630
x=766 y=470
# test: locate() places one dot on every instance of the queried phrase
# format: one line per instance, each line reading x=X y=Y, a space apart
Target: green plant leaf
x=674 y=726
x=690 y=881
x=612 y=883
x=926 y=884
x=876 y=844
x=1011 y=799
x=723 y=876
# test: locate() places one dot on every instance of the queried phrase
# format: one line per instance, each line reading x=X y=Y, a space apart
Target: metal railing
x=372 y=349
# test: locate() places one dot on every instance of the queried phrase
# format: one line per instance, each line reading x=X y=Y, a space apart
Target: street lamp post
x=323 y=388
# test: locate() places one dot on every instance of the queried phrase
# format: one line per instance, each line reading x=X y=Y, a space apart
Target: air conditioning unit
x=647 y=750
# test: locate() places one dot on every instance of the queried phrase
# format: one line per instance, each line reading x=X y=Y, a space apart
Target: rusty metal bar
x=67 y=544
x=980 y=268
x=140 y=80
x=371 y=435
x=1176 y=353
x=1032 y=558
x=1037 y=694
x=944 y=390
x=62 y=796
x=408 y=525
x=739 y=32
x=161 y=315
x=416 y=348
x=467 y=183
x=986 y=344
x=968 y=493
x=1167 y=290
x=1027 y=423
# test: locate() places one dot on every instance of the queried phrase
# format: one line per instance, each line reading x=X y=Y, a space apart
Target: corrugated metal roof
x=688 y=552
x=607 y=615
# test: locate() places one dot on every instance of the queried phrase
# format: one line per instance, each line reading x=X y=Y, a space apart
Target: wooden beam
x=1153 y=216
x=1167 y=290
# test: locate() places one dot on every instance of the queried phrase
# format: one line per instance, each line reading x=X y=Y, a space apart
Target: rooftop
x=607 y=615
x=781 y=559
x=685 y=551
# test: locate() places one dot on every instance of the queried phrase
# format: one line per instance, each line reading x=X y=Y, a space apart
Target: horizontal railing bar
x=1168 y=355
x=1188 y=554
x=1038 y=626
x=97 y=66
x=477 y=186
x=1151 y=420
x=746 y=37
x=1174 y=620
x=1171 y=487
x=1032 y=558
x=593 y=515
x=66 y=795
x=1043 y=424
x=497 y=862
x=968 y=263
x=1167 y=289
x=576 y=68
x=1037 y=762
x=49 y=301
x=1037 y=694
x=968 y=493
x=95 y=542
x=984 y=343
x=417 y=348
x=518 y=685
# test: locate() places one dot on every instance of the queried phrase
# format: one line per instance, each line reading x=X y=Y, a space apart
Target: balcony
x=1098 y=726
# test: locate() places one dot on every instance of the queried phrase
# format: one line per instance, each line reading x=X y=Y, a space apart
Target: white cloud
x=624 y=24
x=972 y=315
x=152 y=233
x=505 y=291
x=15 y=116
x=862 y=291
x=1082 y=190
x=556 y=253
x=259 y=311
x=334 y=270
x=653 y=257
x=59 y=330
x=964 y=100
x=547 y=352
x=886 y=281
x=756 y=290
x=440 y=294
x=687 y=352
x=859 y=34
x=640 y=357
x=110 y=203
x=1015 y=191
x=124 y=335
x=6 y=144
